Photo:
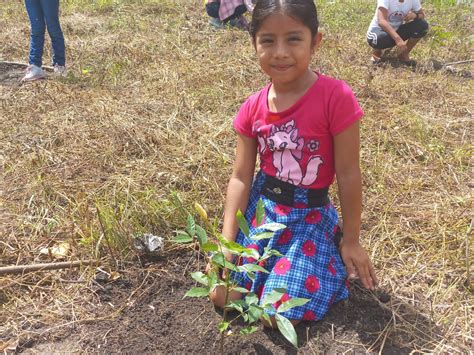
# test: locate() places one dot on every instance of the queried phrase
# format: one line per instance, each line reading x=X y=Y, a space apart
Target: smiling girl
x=304 y=126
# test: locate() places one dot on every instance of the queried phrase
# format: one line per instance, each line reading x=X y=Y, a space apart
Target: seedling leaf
x=286 y=329
x=200 y=277
x=191 y=225
x=201 y=235
x=272 y=226
x=252 y=268
x=207 y=247
x=197 y=292
x=255 y=313
x=274 y=296
x=248 y=330
x=243 y=225
x=221 y=261
x=293 y=302
x=251 y=298
x=182 y=237
x=262 y=235
x=223 y=326
x=260 y=212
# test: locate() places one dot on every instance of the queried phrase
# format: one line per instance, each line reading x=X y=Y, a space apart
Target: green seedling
x=221 y=255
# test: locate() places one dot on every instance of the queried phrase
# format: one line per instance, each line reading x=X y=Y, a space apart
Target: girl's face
x=284 y=48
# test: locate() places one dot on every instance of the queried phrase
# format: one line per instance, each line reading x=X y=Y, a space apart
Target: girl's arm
x=349 y=181
x=239 y=185
x=382 y=17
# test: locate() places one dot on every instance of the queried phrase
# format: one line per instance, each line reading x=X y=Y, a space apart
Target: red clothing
x=296 y=145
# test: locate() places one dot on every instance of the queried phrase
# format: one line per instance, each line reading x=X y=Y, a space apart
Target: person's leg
x=239 y=11
x=212 y=9
x=412 y=32
x=36 y=16
x=51 y=15
x=379 y=40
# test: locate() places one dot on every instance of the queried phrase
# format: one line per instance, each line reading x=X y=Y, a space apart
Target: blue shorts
x=311 y=266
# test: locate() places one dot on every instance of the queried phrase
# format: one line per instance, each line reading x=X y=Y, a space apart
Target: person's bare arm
x=349 y=181
x=240 y=183
x=382 y=17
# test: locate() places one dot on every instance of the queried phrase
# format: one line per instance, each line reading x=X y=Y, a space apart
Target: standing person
x=398 y=23
x=228 y=12
x=44 y=14
x=304 y=126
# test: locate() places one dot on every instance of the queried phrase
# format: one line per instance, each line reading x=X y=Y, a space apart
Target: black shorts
x=379 y=39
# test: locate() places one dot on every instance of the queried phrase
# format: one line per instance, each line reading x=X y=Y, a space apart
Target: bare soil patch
x=154 y=318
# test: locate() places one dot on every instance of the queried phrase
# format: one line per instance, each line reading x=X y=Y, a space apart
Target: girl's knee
x=217 y=296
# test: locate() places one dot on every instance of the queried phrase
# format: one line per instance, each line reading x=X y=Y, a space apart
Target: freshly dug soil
x=156 y=319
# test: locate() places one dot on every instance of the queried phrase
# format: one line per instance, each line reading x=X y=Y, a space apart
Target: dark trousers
x=379 y=39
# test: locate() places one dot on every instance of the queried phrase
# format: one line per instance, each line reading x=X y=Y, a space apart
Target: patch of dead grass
x=147 y=110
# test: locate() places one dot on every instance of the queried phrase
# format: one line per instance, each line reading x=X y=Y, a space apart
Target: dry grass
x=147 y=110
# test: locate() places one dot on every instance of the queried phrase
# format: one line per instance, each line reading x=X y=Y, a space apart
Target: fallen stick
x=20 y=269
x=459 y=62
x=47 y=67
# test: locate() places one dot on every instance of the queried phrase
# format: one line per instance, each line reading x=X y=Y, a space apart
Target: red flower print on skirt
x=283 y=298
x=300 y=205
x=312 y=283
x=331 y=268
x=260 y=291
x=255 y=247
x=282 y=266
x=309 y=248
x=282 y=210
x=285 y=237
x=248 y=285
x=313 y=217
x=309 y=315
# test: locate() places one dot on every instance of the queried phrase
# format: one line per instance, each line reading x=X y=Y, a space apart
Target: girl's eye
x=266 y=40
x=294 y=39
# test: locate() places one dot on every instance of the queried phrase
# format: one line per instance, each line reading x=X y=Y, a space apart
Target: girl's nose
x=281 y=49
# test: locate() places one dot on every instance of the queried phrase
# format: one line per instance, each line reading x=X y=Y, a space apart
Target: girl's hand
x=358 y=263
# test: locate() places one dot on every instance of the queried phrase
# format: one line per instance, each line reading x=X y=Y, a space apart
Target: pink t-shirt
x=296 y=145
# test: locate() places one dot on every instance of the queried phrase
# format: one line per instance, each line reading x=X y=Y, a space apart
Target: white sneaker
x=60 y=70
x=33 y=72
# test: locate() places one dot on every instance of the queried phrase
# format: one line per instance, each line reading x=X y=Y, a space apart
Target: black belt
x=284 y=193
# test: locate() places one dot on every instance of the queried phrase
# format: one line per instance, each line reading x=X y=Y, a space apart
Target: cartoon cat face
x=283 y=140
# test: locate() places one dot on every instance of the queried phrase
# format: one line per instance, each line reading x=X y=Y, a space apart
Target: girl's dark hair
x=301 y=10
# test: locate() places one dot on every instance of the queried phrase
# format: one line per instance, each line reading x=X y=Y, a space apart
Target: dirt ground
x=153 y=317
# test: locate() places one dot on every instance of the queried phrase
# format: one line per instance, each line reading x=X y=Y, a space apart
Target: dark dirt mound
x=156 y=319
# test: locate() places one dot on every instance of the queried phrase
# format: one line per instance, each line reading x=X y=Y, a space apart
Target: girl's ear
x=316 y=41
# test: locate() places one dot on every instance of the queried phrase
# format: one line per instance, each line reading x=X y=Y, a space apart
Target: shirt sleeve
x=243 y=122
x=344 y=109
x=416 y=5
x=383 y=3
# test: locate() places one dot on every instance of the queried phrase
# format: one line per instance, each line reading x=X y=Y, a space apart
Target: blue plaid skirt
x=311 y=266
